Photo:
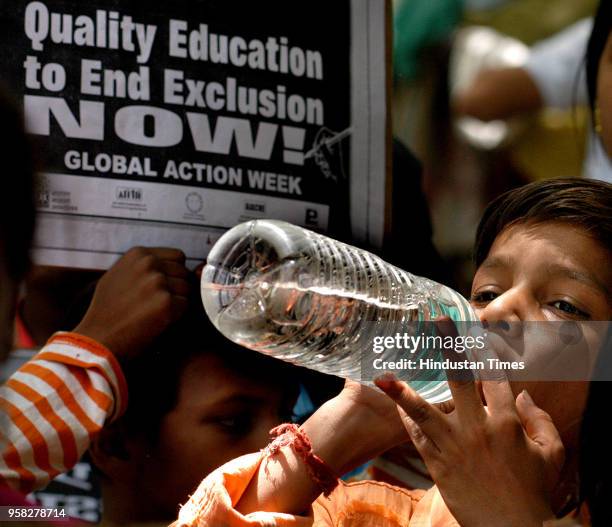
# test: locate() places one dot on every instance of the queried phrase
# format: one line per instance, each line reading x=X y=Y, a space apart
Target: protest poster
x=165 y=124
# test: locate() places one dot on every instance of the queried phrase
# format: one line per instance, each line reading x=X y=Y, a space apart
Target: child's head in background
x=196 y=400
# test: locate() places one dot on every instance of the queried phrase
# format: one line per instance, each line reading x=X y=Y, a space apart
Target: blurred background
x=440 y=49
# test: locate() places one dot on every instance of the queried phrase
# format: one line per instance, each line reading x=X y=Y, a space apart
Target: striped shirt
x=52 y=407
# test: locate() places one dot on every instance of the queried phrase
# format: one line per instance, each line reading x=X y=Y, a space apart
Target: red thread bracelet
x=292 y=435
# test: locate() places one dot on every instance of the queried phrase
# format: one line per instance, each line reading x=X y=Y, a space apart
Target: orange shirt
x=359 y=504
x=53 y=405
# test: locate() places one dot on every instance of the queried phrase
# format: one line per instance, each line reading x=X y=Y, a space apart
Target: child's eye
x=236 y=425
x=570 y=309
x=484 y=297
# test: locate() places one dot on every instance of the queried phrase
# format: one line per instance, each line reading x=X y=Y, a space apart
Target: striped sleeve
x=51 y=408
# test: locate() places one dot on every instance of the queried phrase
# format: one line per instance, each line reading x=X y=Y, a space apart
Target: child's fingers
x=540 y=428
x=461 y=382
x=179 y=306
x=179 y=287
x=498 y=394
x=167 y=253
x=424 y=444
x=429 y=419
x=173 y=268
x=446 y=407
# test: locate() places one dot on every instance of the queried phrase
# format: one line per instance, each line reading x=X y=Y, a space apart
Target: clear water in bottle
x=308 y=299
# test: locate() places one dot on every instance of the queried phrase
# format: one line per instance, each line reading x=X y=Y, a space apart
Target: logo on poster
x=42 y=192
x=194 y=202
x=255 y=207
x=312 y=218
x=128 y=194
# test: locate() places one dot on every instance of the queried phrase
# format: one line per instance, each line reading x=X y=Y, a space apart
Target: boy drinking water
x=543 y=253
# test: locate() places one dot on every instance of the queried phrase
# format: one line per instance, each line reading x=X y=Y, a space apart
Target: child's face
x=551 y=271
x=220 y=415
x=547 y=272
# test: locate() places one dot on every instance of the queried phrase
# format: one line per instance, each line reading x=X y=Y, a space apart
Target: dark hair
x=154 y=377
x=586 y=203
x=597 y=42
x=17 y=209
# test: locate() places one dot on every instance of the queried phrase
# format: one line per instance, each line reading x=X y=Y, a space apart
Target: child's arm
x=52 y=407
x=259 y=489
x=345 y=432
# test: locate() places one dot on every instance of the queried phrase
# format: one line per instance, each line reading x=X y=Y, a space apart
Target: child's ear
x=110 y=453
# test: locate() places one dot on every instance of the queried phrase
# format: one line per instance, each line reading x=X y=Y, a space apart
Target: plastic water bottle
x=308 y=299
